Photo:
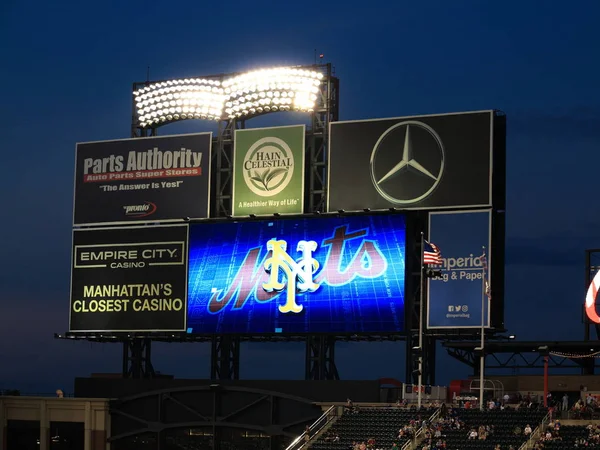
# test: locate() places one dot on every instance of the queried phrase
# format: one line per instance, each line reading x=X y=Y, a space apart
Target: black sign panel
x=129 y=279
x=142 y=180
x=422 y=162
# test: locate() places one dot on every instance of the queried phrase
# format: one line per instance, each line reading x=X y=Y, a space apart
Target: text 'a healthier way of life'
x=258 y=203
x=152 y=163
x=127 y=297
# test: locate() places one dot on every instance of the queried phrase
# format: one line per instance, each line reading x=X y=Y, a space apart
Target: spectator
x=349 y=407
x=565 y=402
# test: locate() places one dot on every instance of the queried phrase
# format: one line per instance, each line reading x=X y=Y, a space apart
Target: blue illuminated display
x=321 y=275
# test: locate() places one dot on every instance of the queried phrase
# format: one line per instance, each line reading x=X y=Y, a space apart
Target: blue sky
x=66 y=75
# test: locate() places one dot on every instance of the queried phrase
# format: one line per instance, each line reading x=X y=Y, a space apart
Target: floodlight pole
x=420 y=375
x=482 y=344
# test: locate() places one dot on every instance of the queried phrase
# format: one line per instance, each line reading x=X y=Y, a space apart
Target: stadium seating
x=382 y=424
x=569 y=434
x=508 y=428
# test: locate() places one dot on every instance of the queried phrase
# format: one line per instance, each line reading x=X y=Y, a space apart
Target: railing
x=420 y=431
x=315 y=428
x=407 y=446
x=535 y=433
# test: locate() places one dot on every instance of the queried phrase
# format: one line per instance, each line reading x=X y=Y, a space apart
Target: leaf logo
x=267 y=176
x=268 y=166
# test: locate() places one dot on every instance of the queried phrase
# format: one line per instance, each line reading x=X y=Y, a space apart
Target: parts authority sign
x=268 y=171
x=164 y=178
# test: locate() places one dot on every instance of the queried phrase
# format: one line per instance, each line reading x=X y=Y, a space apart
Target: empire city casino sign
x=352 y=275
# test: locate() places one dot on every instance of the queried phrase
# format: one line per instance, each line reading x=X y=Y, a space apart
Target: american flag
x=484 y=266
x=483 y=259
x=431 y=254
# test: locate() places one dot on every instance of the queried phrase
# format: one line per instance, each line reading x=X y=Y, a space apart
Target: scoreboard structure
x=297 y=233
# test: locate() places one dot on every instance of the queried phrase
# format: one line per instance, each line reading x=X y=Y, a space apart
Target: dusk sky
x=67 y=71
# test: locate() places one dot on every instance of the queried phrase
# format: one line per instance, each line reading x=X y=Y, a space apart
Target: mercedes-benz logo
x=420 y=169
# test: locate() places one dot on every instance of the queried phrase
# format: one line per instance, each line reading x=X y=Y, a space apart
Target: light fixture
x=229 y=97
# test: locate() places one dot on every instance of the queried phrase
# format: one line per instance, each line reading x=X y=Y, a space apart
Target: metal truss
x=222 y=166
x=225 y=358
x=320 y=358
x=326 y=111
x=137 y=358
x=154 y=417
x=523 y=355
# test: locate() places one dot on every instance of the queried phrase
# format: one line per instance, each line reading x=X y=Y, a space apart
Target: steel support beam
x=137 y=359
x=513 y=360
x=320 y=358
x=225 y=358
x=317 y=142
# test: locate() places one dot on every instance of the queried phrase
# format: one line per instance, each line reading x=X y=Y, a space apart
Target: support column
x=417 y=224
x=87 y=426
x=137 y=359
x=2 y=426
x=429 y=355
x=317 y=138
x=320 y=358
x=225 y=358
x=44 y=427
x=546 y=381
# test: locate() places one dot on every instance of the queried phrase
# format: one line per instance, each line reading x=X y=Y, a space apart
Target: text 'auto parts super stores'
x=269 y=268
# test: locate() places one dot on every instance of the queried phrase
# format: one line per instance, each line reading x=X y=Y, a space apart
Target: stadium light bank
x=227 y=97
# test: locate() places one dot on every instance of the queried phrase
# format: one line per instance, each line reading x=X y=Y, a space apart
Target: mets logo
x=264 y=277
x=298 y=275
x=590 y=299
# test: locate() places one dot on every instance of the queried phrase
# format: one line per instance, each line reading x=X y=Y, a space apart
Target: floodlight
x=229 y=97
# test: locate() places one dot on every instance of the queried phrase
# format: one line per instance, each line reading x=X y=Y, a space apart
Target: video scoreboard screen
x=309 y=275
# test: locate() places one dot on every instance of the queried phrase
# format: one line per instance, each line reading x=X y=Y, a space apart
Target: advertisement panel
x=268 y=171
x=591 y=296
x=164 y=178
x=455 y=300
x=421 y=162
x=311 y=275
x=129 y=279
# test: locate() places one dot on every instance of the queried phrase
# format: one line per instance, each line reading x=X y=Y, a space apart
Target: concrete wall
x=319 y=391
x=93 y=413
